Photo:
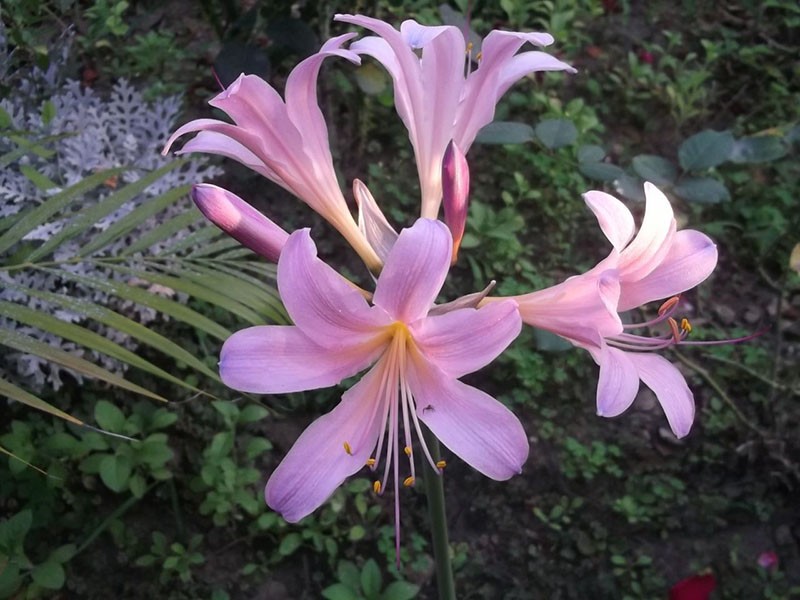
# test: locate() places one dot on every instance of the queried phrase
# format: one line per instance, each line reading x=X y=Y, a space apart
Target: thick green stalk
x=434 y=490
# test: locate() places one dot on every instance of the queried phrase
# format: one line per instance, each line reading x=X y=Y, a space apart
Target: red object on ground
x=696 y=587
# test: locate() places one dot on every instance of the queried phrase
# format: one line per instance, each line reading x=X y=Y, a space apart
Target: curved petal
x=318 y=463
x=465 y=340
x=276 y=359
x=578 y=309
x=211 y=142
x=526 y=63
x=618 y=382
x=322 y=304
x=418 y=36
x=613 y=216
x=670 y=388
x=472 y=424
x=690 y=260
x=414 y=271
x=652 y=243
x=372 y=222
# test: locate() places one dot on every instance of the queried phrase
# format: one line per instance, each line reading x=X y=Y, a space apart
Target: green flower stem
x=434 y=490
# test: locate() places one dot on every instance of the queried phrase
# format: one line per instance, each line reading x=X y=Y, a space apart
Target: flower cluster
x=413 y=350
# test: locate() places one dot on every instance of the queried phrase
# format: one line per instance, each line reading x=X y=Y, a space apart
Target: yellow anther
x=479 y=56
x=407 y=450
x=408 y=481
x=441 y=464
x=370 y=462
x=376 y=487
x=668 y=305
x=470 y=46
x=686 y=326
x=347 y=448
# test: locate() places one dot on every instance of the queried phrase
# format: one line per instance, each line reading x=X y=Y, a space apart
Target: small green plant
x=589 y=461
x=174 y=558
x=366 y=584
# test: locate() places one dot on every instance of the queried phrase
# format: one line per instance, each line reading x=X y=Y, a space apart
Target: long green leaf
x=133 y=219
x=30 y=147
x=264 y=283
x=199 y=290
x=108 y=317
x=86 y=338
x=219 y=245
x=164 y=231
x=29 y=345
x=25 y=462
x=9 y=390
x=173 y=309
x=84 y=219
x=197 y=238
x=42 y=213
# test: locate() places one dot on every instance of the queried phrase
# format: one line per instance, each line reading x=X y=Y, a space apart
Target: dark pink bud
x=768 y=560
x=455 y=193
x=696 y=587
x=646 y=57
x=240 y=220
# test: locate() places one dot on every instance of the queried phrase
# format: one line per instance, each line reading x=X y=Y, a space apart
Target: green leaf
x=339 y=591
x=133 y=219
x=29 y=345
x=49 y=575
x=42 y=182
x=86 y=218
x=505 y=132
x=290 y=544
x=10 y=579
x=655 y=169
x=252 y=413
x=371 y=79
x=348 y=574
x=630 y=186
x=42 y=213
x=703 y=190
x=550 y=342
x=591 y=154
x=9 y=390
x=556 y=133
x=48 y=112
x=109 y=416
x=600 y=171
x=705 y=150
x=176 y=310
x=166 y=230
x=357 y=532
x=400 y=590
x=115 y=470
x=758 y=149
x=371 y=579
x=14 y=530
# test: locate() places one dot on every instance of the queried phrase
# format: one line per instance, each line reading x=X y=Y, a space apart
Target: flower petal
x=652 y=243
x=275 y=359
x=372 y=222
x=618 y=382
x=318 y=463
x=240 y=220
x=321 y=302
x=210 y=142
x=670 y=388
x=578 y=309
x=614 y=218
x=465 y=340
x=690 y=260
x=472 y=424
x=415 y=271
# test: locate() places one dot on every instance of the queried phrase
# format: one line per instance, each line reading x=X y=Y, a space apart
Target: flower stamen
x=347 y=448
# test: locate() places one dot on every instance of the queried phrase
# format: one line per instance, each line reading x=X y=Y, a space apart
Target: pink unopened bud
x=455 y=193
x=240 y=220
x=767 y=560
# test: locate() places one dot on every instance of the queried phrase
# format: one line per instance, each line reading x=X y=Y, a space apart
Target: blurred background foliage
x=113 y=291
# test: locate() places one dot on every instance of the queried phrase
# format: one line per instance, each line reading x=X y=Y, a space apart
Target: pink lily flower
x=241 y=221
x=437 y=95
x=658 y=262
x=286 y=142
x=416 y=362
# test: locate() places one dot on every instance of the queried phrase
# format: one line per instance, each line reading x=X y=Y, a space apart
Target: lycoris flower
x=438 y=95
x=286 y=142
x=416 y=362
x=659 y=262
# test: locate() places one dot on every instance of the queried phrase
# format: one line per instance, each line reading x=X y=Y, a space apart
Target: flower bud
x=240 y=220
x=455 y=193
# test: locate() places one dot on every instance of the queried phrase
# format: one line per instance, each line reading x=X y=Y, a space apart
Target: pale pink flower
x=438 y=95
x=286 y=142
x=658 y=262
x=417 y=360
x=240 y=220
